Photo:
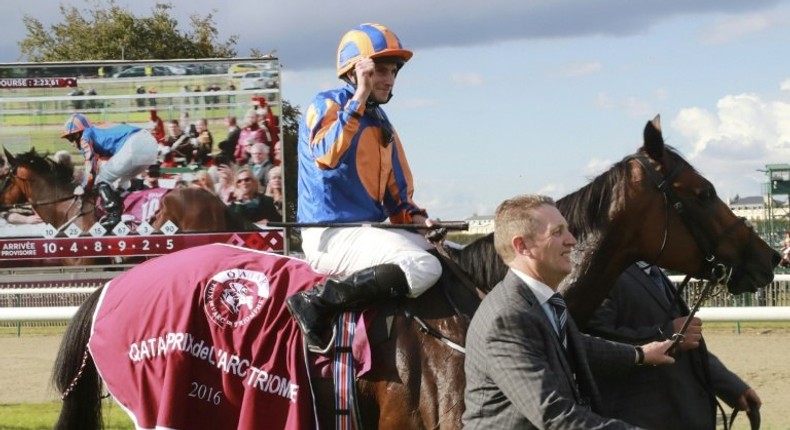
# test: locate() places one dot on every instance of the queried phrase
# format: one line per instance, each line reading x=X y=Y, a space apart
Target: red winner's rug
x=201 y=338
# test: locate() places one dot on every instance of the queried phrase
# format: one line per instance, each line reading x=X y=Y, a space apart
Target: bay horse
x=652 y=205
x=48 y=187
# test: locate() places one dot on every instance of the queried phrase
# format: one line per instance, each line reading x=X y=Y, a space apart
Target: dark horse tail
x=75 y=375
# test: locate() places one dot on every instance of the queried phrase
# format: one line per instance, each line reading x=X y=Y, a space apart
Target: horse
x=49 y=186
x=652 y=205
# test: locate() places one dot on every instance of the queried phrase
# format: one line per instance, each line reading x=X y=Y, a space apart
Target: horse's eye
x=707 y=194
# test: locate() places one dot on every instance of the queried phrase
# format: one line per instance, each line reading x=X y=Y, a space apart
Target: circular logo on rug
x=234 y=297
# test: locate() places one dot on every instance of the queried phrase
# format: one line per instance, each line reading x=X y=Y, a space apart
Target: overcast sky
x=513 y=96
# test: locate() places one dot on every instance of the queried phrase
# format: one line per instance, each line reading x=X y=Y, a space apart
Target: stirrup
x=317 y=349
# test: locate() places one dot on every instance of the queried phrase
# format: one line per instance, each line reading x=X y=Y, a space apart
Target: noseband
x=718 y=270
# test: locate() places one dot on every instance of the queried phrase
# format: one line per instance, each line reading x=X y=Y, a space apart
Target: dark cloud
x=306 y=33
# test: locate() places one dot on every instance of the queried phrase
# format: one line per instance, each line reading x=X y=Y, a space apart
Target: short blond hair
x=516 y=217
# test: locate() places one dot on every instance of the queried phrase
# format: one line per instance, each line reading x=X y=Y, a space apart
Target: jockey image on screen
x=129 y=150
x=352 y=168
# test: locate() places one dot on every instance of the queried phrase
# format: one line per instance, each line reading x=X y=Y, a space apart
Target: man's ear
x=520 y=245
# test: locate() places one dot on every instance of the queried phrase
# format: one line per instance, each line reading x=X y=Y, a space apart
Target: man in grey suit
x=641 y=307
x=527 y=366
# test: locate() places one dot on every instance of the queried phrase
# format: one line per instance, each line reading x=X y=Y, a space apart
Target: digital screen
x=192 y=101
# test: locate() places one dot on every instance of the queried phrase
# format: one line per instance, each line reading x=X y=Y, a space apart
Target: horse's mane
x=586 y=210
x=481 y=262
x=49 y=169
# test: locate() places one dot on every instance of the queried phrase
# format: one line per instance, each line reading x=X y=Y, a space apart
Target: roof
x=751 y=200
x=480 y=218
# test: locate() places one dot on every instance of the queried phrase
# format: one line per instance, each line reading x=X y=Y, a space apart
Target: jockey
x=130 y=151
x=352 y=169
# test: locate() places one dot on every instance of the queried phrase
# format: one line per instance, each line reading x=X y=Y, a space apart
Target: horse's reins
x=720 y=273
x=436 y=237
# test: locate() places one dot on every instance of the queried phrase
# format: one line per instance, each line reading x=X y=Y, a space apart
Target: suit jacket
x=518 y=374
x=665 y=397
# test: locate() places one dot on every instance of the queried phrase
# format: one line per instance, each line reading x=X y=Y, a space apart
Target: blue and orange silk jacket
x=99 y=143
x=346 y=172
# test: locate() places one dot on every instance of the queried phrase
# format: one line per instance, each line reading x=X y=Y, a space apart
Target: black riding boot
x=113 y=205
x=315 y=309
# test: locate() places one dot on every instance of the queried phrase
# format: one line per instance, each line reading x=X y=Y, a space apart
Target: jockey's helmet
x=74 y=124
x=369 y=40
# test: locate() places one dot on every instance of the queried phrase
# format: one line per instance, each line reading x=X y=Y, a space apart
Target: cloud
x=632 y=106
x=595 y=167
x=745 y=133
x=555 y=190
x=581 y=69
x=737 y=26
x=306 y=41
x=466 y=79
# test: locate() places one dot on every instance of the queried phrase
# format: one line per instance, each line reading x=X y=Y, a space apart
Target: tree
x=290 y=127
x=107 y=31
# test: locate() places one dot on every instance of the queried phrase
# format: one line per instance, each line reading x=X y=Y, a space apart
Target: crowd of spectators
x=243 y=169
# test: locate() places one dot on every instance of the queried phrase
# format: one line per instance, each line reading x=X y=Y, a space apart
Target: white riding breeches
x=345 y=250
x=137 y=153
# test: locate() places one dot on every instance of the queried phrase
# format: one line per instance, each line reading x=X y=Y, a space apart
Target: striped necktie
x=655 y=274
x=560 y=316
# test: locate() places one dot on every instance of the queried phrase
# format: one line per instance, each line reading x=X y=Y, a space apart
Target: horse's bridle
x=75 y=199
x=718 y=270
x=4 y=182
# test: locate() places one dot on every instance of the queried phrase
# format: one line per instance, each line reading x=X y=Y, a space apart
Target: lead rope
x=720 y=275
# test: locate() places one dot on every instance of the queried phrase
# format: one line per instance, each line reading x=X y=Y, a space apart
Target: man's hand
x=78 y=190
x=655 y=353
x=693 y=335
x=422 y=220
x=363 y=71
x=749 y=396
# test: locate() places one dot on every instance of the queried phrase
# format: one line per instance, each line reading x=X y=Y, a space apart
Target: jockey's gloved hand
x=436 y=235
x=78 y=190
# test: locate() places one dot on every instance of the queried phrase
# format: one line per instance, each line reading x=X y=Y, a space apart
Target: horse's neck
x=57 y=212
x=598 y=261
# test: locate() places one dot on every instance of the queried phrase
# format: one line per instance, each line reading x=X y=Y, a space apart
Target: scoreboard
x=132 y=246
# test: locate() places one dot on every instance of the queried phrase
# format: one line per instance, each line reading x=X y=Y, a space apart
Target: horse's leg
x=82 y=404
x=390 y=394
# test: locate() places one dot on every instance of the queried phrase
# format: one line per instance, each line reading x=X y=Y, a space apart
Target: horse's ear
x=653 y=139
x=9 y=156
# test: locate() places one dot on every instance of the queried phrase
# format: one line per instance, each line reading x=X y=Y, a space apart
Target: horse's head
x=11 y=191
x=46 y=185
x=697 y=232
x=31 y=172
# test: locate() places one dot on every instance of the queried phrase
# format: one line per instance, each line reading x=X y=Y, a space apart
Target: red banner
x=12 y=83
x=129 y=246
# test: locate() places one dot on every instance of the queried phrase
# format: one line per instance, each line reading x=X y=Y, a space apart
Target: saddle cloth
x=141 y=206
x=201 y=339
